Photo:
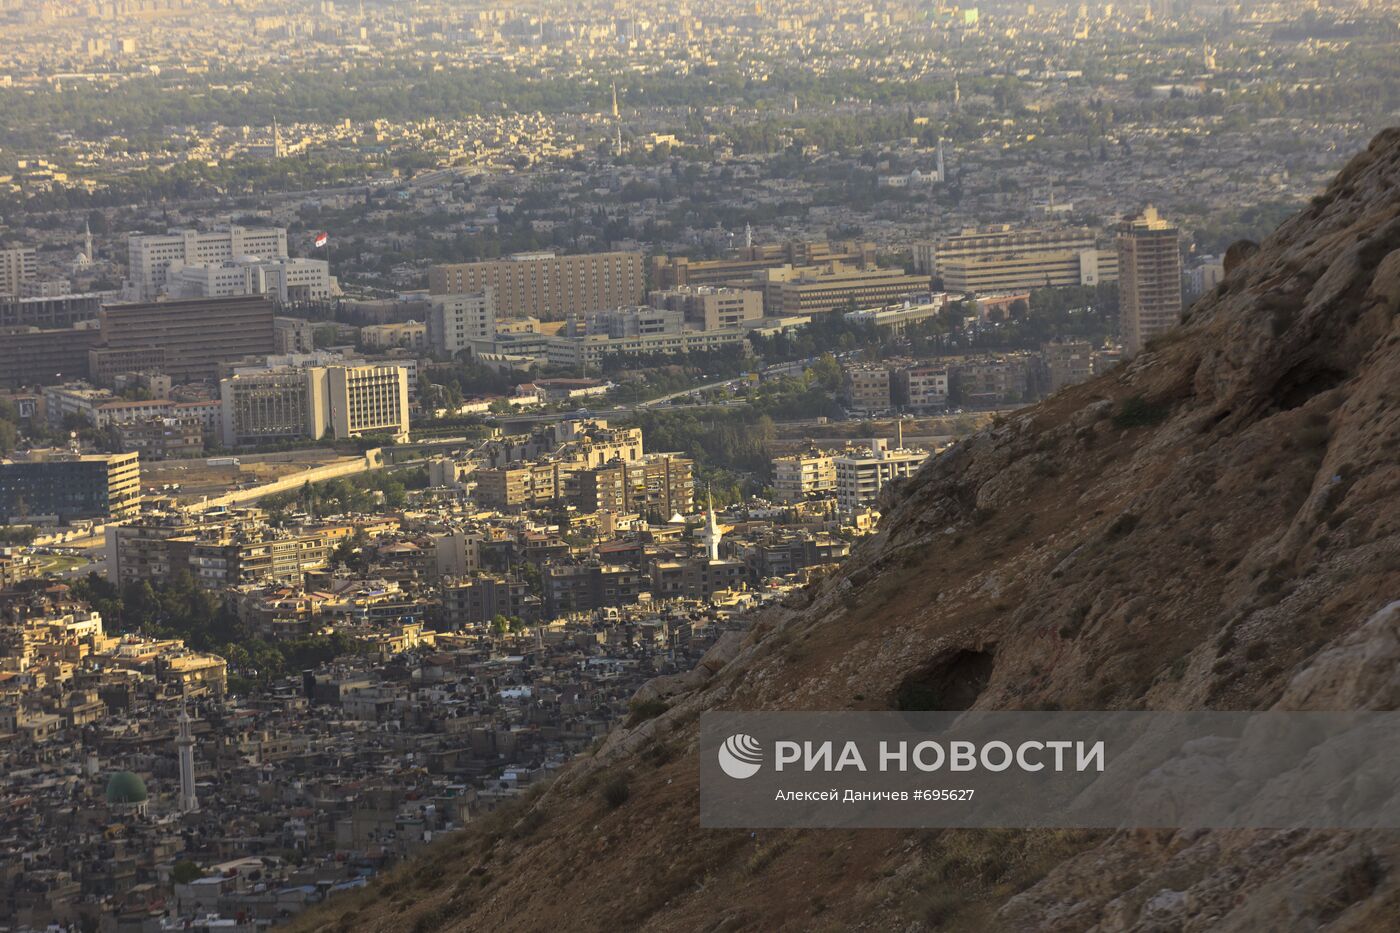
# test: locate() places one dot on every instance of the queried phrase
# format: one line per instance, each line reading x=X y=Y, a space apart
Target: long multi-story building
x=246 y=558
x=31 y=356
x=17 y=266
x=590 y=350
x=998 y=242
x=899 y=317
x=196 y=334
x=105 y=364
x=740 y=268
x=707 y=308
x=149 y=257
x=547 y=286
x=808 y=291
x=286 y=281
x=1149 y=289
x=56 y=311
x=69 y=486
x=1042 y=269
x=454 y=321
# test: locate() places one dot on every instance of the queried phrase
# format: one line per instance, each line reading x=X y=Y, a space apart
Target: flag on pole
x=321 y=240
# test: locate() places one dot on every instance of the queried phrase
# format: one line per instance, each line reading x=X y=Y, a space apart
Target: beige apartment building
x=547 y=286
x=803 y=476
x=454 y=321
x=412 y=335
x=511 y=487
x=924 y=388
x=706 y=308
x=1149 y=290
x=17 y=266
x=868 y=389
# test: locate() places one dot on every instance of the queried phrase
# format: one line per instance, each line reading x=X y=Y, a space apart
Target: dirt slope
x=1214 y=525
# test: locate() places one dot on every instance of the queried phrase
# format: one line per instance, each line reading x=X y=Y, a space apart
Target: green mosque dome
x=125 y=787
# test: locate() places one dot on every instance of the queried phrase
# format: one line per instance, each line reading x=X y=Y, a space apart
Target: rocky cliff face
x=1213 y=525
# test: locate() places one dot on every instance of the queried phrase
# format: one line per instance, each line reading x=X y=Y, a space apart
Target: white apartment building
x=454 y=321
x=284 y=280
x=150 y=256
x=862 y=472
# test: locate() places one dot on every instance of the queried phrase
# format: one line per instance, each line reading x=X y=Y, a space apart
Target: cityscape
x=399 y=402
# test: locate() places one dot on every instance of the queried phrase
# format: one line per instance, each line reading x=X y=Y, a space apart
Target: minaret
x=184 y=745
x=87 y=240
x=277 y=149
x=942 y=174
x=957 y=92
x=713 y=534
x=748 y=236
x=616 y=111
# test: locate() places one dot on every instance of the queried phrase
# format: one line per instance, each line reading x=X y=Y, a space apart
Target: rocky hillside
x=1214 y=525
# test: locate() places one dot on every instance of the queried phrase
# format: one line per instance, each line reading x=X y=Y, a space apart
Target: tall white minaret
x=184 y=745
x=617 y=112
x=942 y=175
x=748 y=236
x=87 y=240
x=713 y=534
